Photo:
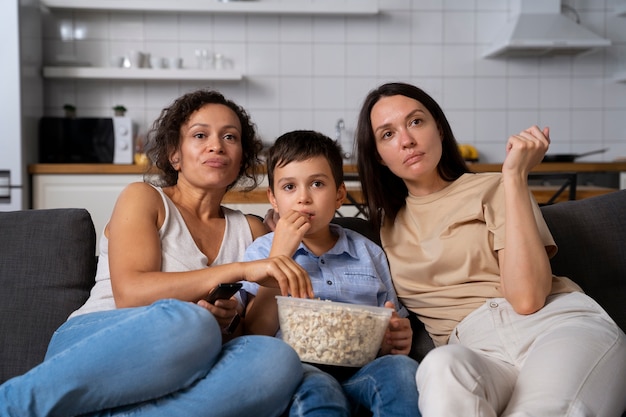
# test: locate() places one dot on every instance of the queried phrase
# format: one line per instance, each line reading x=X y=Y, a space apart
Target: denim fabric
x=385 y=386
x=166 y=360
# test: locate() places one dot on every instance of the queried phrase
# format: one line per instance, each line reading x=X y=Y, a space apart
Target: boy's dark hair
x=300 y=145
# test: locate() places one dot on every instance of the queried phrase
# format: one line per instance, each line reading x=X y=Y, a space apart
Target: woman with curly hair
x=146 y=342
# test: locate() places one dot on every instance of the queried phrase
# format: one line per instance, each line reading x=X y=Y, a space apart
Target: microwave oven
x=106 y=140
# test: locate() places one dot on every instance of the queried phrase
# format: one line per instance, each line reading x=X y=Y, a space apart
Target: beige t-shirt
x=442 y=250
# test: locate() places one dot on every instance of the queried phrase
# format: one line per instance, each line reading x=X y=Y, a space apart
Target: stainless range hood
x=538 y=28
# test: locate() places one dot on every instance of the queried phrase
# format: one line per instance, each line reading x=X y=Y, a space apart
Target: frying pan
x=570 y=157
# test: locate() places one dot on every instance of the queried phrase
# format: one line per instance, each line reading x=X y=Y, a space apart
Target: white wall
x=307 y=72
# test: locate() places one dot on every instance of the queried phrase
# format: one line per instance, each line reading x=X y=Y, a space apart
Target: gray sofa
x=47 y=267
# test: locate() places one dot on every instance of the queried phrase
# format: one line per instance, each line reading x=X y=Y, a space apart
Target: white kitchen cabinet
x=96 y=193
x=319 y=7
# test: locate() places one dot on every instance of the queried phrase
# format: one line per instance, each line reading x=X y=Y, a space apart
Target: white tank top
x=178 y=252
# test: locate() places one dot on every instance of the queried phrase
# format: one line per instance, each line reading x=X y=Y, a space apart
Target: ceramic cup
x=174 y=62
x=137 y=59
x=117 y=61
x=157 y=62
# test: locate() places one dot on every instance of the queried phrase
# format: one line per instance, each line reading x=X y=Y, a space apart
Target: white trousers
x=566 y=360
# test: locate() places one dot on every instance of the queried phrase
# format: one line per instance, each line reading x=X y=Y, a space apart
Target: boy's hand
x=398 y=336
x=289 y=232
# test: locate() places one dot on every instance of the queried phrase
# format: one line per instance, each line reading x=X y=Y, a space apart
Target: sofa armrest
x=47 y=267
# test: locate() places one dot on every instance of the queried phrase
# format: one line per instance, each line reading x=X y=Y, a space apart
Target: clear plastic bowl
x=332 y=333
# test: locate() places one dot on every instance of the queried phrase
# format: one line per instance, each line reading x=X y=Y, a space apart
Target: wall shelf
x=140 y=74
x=319 y=7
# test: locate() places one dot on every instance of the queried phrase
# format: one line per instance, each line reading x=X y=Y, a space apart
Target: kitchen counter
x=476 y=167
x=259 y=195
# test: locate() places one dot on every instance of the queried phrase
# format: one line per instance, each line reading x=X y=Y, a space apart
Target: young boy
x=305 y=174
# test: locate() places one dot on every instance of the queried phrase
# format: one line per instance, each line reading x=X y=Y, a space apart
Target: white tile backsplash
x=586 y=124
x=329 y=94
x=394 y=27
x=305 y=72
x=491 y=94
x=459 y=93
x=458 y=60
x=329 y=59
x=427 y=27
x=587 y=93
x=195 y=27
x=361 y=60
x=459 y=27
x=554 y=93
x=394 y=61
x=426 y=60
x=523 y=93
x=161 y=27
x=126 y=26
x=296 y=93
x=296 y=29
x=296 y=59
x=229 y=28
x=560 y=124
x=330 y=29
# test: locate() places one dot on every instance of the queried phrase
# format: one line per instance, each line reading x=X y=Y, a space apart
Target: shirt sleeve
x=494 y=218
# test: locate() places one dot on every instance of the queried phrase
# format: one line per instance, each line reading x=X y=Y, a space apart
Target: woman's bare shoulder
x=139 y=197
x=139 y=190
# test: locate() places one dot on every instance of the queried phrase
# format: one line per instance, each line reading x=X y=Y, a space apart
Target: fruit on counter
x=468 y=152
x=140 y=158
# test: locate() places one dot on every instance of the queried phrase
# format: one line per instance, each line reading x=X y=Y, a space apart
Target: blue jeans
x=385 y=387
x=166 y=360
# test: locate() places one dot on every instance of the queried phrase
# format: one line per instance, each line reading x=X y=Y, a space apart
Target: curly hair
x=164 y=138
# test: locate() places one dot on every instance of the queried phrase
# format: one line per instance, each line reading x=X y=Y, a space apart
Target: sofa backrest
x=47 y=266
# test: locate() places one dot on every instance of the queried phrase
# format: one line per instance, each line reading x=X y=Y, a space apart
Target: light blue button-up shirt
x=354 y=271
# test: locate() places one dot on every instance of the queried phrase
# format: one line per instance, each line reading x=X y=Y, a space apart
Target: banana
x=468 y=152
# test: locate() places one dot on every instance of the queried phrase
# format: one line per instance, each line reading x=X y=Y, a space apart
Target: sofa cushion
x=47 y=265
x=591 y=236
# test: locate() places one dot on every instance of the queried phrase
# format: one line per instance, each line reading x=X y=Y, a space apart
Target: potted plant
x=119 y=110
x=70 y=110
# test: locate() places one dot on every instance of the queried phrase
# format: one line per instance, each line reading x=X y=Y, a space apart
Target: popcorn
x=332 y=333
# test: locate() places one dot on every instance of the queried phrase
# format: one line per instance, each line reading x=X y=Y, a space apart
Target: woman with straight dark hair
x=469 y=255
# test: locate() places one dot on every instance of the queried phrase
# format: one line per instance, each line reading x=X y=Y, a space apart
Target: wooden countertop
x=259 y=195
x=89 y=169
